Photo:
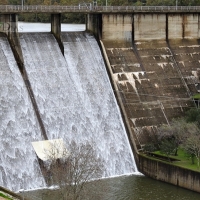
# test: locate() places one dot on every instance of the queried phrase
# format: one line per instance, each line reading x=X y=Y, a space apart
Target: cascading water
x=74 y=96
x=19 y=127
x=88 y=72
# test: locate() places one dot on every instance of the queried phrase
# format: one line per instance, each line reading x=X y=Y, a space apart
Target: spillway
x=19 y=127
x=75 y=98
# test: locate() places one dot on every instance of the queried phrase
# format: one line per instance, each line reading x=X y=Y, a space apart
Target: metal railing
x=91 y=8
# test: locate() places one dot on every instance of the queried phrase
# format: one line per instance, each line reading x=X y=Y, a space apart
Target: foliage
x=193 y=115
x=168 y=146
x=173 y=135
x=196 y=96
x=172 y=2
x=3 y=2
x=184 y=133
x=149 y=147
x=109 y=2
x=71 y=173
x=184 y=159
x=4 y=196
x=192 y=145
x=160 y=3
x=74 y=18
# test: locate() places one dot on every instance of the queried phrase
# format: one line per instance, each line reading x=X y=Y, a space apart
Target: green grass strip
x=185 y=160
x=196 y=96
x=4 y=196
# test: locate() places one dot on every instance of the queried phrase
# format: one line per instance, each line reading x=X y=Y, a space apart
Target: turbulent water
x=74 y=96
x=19 y=127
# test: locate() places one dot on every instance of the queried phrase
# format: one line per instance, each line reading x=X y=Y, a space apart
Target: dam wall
x=166 y=26
x=71 y=96
x=155 y=73
x=117 y=27
x=154 y=60
x=154 y=65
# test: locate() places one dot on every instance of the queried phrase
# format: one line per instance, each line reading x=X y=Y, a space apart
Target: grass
x=4 y=196
x=185 y=160
x=196 y=96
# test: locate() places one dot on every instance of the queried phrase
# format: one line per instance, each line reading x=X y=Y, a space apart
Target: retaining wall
x=166 y=172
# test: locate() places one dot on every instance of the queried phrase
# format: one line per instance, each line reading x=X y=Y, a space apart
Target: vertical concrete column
x=8 y=24
x=9 y=27
x=56 y=29
x=94 y=24
x=56 y=25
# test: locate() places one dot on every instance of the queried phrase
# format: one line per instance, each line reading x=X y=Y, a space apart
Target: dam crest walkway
x=90 y=8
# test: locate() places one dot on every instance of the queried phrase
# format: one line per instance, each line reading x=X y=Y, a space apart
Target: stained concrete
x=154 y=76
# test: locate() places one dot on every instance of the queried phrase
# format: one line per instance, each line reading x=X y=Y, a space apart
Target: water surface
x=126 y=188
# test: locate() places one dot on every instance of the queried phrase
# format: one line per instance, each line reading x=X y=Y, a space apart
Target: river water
x=132 y=187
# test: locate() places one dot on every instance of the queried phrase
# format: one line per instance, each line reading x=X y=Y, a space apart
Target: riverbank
x=6 y=194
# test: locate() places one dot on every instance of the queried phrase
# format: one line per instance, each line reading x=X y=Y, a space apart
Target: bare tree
x=71 y=169
x=191 y=143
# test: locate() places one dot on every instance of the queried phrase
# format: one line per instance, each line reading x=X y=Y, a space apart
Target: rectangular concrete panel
x=50 y=149
x=149 y=26
x=183 y=26
x=117 y=27
x=191 y=23
x=175 y=26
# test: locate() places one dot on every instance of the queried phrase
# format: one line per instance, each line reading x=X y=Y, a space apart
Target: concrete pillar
x=56 y=29
x=8 y=24
x=56 y=25
x=94 y=24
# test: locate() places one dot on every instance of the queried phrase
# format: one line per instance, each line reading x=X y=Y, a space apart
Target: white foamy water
x=75 y=97
x=19 y=127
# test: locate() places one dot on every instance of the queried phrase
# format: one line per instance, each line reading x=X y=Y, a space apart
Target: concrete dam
x=152 y=61
x=74 y=100
x=156 y=74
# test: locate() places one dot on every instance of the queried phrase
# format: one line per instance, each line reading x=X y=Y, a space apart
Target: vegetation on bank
x=180 y=140
x=103 y=2
x=79 y=18
x=4 y=196
x=196 y=96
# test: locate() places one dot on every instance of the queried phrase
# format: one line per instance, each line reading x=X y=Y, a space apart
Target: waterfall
x=19 y=127
x=87 y=71
x=75 y=101
x=74 y=96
